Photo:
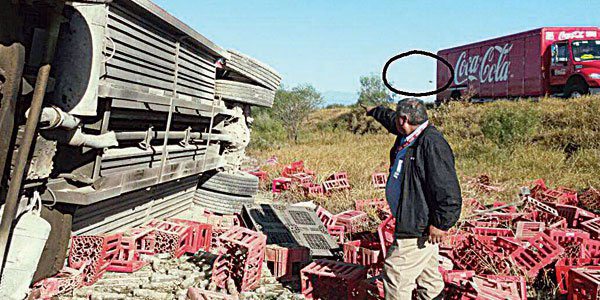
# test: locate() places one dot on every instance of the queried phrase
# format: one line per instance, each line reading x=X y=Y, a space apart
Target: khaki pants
x=410 y=264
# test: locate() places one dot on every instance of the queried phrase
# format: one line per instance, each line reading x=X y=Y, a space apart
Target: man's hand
x=436 y=235
x=367 y=109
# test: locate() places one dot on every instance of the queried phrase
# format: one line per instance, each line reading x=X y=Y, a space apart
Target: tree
x=373 y=91
x=294 y=106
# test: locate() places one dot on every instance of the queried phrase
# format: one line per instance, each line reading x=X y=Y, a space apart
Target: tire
x=576 y=88
x=230 y=183
x=253 y=69
x=220 y=203
x=55 y=251
x=244 y=93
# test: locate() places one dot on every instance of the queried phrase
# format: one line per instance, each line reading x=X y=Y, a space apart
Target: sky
x=330 y=44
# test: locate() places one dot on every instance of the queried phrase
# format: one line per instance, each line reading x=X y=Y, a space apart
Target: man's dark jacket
x=430 y=189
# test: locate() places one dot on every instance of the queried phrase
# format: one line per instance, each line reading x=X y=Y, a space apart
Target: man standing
x=424 y=196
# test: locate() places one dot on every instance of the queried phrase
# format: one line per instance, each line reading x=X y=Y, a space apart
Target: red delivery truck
x=556 y=61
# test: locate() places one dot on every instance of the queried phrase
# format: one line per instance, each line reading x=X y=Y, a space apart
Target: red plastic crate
x=262 y=175
x=540 y=252
x=325 y=216
x=590 y=249
x=336 y=182
x=353 y=220
x=590 y=199
x=475 y=255
x=133 y=243
x=561 y=195
x=573 y=214
x=172 y=238
x=241 y=256
x=295 y=168
x=500 y=287
x=529 y=229
x=379 y=180
x=286 y=261
x=490 y=231
x=338 y=232
x=302 y=178
x=365 y=252
x=593 y=227
x=327 y=279
x=570 y=239
x=95 y=252
x=501 y=246
x=511 y=209
x=456 y=276
x=563 y=266
x=584 y=283
x=281 y=184
x=201 y=235
x=65 y=281
x=386 y=232
x=313 y=189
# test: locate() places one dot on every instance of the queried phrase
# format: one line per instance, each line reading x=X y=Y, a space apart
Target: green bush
x=506 y=125
x=267 y=132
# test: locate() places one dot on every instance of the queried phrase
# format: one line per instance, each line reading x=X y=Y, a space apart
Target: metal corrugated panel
x=142 y=56
x=135 y=208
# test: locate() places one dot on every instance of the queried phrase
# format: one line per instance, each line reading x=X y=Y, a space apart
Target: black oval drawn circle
x=418 y=52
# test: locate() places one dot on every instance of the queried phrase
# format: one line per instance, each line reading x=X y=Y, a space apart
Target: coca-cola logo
x=571 y=35
x=493 y=66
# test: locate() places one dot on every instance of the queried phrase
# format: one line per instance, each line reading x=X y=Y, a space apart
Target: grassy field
x=512 y=142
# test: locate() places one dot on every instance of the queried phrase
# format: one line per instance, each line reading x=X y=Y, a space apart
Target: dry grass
x=541 y=154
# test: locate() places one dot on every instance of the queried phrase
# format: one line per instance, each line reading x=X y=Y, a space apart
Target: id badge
x=398 y=169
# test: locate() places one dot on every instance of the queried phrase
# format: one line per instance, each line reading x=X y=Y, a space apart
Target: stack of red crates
x=241 y=256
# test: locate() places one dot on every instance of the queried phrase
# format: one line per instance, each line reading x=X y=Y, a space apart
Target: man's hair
x=413 y=109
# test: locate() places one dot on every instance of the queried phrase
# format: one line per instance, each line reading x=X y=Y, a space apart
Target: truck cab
x=575 y=67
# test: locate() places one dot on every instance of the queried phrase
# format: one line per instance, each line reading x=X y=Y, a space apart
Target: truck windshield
x=586 y=50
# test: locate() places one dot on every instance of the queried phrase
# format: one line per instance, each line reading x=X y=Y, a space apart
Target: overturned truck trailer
x=142 y=117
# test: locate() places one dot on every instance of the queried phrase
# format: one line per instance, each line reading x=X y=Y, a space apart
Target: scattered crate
x=172 y=238
x=302 y=178
x=559 y=196
x=563 y=266
x=570 y=239
x=457 y=276
x=353 y=220
x=386 y=233
x=584 y=283
x=365 y=252
x=500 y=287
x=590 y=249
x=281 y=184
x=201 y=235
x=379 y=180
x=94 y=254
x=241 y=257
x=262 y=175
x=313 y=189
x=336 y=182
x=134 y=242
x=327 y=279
x=295 y=168
x=491 y=231
x=590 y=199
x=593 y=227
x=541 y=251
x=527 y=230
x=286 y=261
x=476 y=255
x=573 y=214
x=65 y=281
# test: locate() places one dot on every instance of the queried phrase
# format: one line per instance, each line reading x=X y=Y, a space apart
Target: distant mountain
x=337 y=97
